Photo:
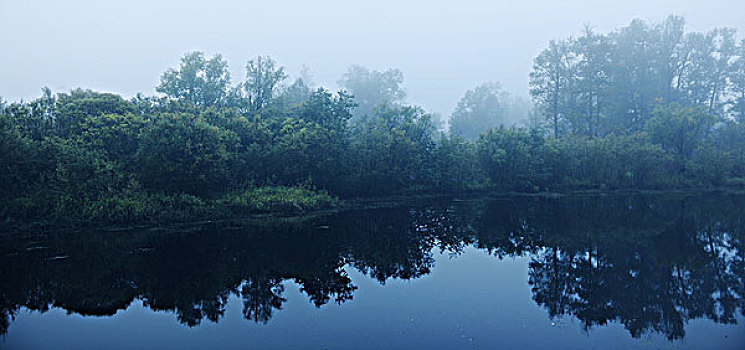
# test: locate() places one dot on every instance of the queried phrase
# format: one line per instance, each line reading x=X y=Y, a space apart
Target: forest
x=647 y=106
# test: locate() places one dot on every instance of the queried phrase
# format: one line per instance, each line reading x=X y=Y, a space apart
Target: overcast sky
x=442 y=47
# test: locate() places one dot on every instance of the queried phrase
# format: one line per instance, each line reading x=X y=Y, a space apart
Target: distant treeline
x=645 y=107
x=596 y=84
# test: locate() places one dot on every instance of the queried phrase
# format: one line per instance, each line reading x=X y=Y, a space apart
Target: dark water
x=610 y=272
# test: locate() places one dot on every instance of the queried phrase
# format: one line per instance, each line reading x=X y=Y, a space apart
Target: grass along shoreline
x=276 y=202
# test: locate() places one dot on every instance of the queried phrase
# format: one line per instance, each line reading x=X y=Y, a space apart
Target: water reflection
x=650 y=263
x=647 y=263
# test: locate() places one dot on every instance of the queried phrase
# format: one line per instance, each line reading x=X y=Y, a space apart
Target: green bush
x=277 y=199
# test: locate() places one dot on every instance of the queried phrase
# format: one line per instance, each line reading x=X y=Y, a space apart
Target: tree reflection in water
x=650 y=263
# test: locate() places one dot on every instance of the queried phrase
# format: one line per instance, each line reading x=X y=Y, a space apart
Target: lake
x=621 y=271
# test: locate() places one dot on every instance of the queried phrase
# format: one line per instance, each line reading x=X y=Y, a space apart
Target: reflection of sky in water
x=470 y=301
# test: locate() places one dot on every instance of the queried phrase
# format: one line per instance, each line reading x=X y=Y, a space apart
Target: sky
x=443 y=47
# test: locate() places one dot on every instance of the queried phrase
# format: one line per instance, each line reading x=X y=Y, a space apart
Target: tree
x=482 y=108
x=16 y=160
x=117 y=134
x=311 y=143
x=182 y=153
x=35 y=119
x=509 y=157
x=300 y=89
x=330 y=111
x=372 y=88
x=737 y=86
x=392 y=150
x=592 y=81
x=263 y=79
x=297 y=93
x=201 y=81
x=549 y=82
x=679 y=129
x=730 y=139
x=598 y=84
x=634 y=70
x=712 y=62
x=456 y=164
x=72 y=111
x=675 y=56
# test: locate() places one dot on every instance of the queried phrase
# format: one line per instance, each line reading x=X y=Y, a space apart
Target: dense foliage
x=621 y=113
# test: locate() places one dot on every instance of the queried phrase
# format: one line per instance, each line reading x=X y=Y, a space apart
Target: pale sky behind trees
x=443 y=47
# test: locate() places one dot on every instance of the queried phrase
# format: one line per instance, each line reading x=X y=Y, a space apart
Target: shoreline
x=350 y=204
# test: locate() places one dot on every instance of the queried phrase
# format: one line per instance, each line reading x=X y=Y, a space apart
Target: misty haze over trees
x=647 y=106
x=600 y=84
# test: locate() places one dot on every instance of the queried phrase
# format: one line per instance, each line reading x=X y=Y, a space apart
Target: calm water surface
x=579 y=272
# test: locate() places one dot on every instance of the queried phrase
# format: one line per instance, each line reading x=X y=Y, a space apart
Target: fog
x=372 y=141
x=443 y=48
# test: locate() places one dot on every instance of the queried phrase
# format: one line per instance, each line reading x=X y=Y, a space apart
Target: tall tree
x=482 y=108
x=674 y=55
x=549 y=82
x=725 y=51
x=201 y=81
x=592 y=81
x=263 y=79
x=298 y=92
x=737 y=87
x=712 y=56
x=634 y=70
x=371 y=88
